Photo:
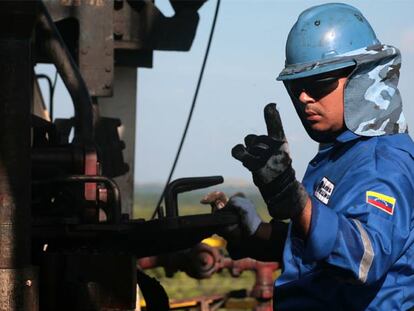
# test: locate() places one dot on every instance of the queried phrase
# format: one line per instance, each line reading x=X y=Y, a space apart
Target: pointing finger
x=273 y=122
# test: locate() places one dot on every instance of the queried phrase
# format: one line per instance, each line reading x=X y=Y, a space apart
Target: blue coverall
x=359 y=254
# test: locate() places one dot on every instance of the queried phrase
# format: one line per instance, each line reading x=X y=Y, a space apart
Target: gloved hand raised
x=249 y=219
x=267 y=157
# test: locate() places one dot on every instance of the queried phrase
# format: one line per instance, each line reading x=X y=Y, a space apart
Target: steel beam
x=15 y=103
x=123 y=106
x=18 y=282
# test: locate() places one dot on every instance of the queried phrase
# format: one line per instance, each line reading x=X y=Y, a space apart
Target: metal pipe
x=69 y=72
x=116 y=209
x=51 y=91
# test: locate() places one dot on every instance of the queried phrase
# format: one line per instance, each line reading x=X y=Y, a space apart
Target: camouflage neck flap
x=372 y=102
x=373 y=105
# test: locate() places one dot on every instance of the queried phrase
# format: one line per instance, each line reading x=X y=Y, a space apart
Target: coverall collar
x=346 y=137
x=342 y=138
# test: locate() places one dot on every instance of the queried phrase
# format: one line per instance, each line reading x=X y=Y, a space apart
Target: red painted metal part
x=91 y=169
x=203 y=260
x=262 y=290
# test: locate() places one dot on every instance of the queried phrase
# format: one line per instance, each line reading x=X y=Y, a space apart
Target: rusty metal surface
x=19 y=289
x=15 y=98
x=15 y=95
x=87 y=281
x=95 y=42
x=123 y=106
x=123 y=32
x=71 y=76
x=96 y=58
x=74 y=252
x=199 y=262
x=113 y=211
x=18 y=283
x=202 y=261
x=17 y=18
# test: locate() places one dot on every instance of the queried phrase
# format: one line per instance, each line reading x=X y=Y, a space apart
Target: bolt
x=108 y=69
x=28 y=283
x=317 y=22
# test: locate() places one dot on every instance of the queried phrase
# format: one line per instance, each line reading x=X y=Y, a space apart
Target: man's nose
x=305 y=98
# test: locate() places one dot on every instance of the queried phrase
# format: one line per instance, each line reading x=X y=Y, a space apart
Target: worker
x=349 y=242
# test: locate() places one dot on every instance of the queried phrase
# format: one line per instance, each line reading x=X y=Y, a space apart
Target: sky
x=246 y=55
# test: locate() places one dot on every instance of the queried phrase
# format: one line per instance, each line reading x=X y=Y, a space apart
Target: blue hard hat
x=321 y=36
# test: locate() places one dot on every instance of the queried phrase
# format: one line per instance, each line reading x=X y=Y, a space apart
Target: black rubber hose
x=69 y=72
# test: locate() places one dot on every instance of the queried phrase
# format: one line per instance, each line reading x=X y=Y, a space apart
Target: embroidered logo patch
x=324 y=190
x=381 y=201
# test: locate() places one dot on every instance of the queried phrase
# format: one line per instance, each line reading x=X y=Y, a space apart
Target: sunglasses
x=314 y=88
x=317 y=86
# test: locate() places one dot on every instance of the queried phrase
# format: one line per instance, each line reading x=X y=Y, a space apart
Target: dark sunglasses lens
x=321 y=88
x=315 y=88
x=296 y=88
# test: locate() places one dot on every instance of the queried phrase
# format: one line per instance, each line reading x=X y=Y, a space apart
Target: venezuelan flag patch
x=381 y=201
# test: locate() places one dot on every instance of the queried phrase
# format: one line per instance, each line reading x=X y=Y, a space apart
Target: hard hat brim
x=307 y=70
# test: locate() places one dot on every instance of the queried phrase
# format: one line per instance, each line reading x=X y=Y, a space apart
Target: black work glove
x=267 y=157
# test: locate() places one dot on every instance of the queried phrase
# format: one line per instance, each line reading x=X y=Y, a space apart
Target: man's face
x=322 y=101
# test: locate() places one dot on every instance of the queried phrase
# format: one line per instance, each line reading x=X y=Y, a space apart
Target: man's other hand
x=243 y=207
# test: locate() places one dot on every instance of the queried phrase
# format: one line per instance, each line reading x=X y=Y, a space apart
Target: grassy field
x=181 y=286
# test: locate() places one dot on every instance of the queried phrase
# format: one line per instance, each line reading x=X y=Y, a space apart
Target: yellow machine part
x=215 y=241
